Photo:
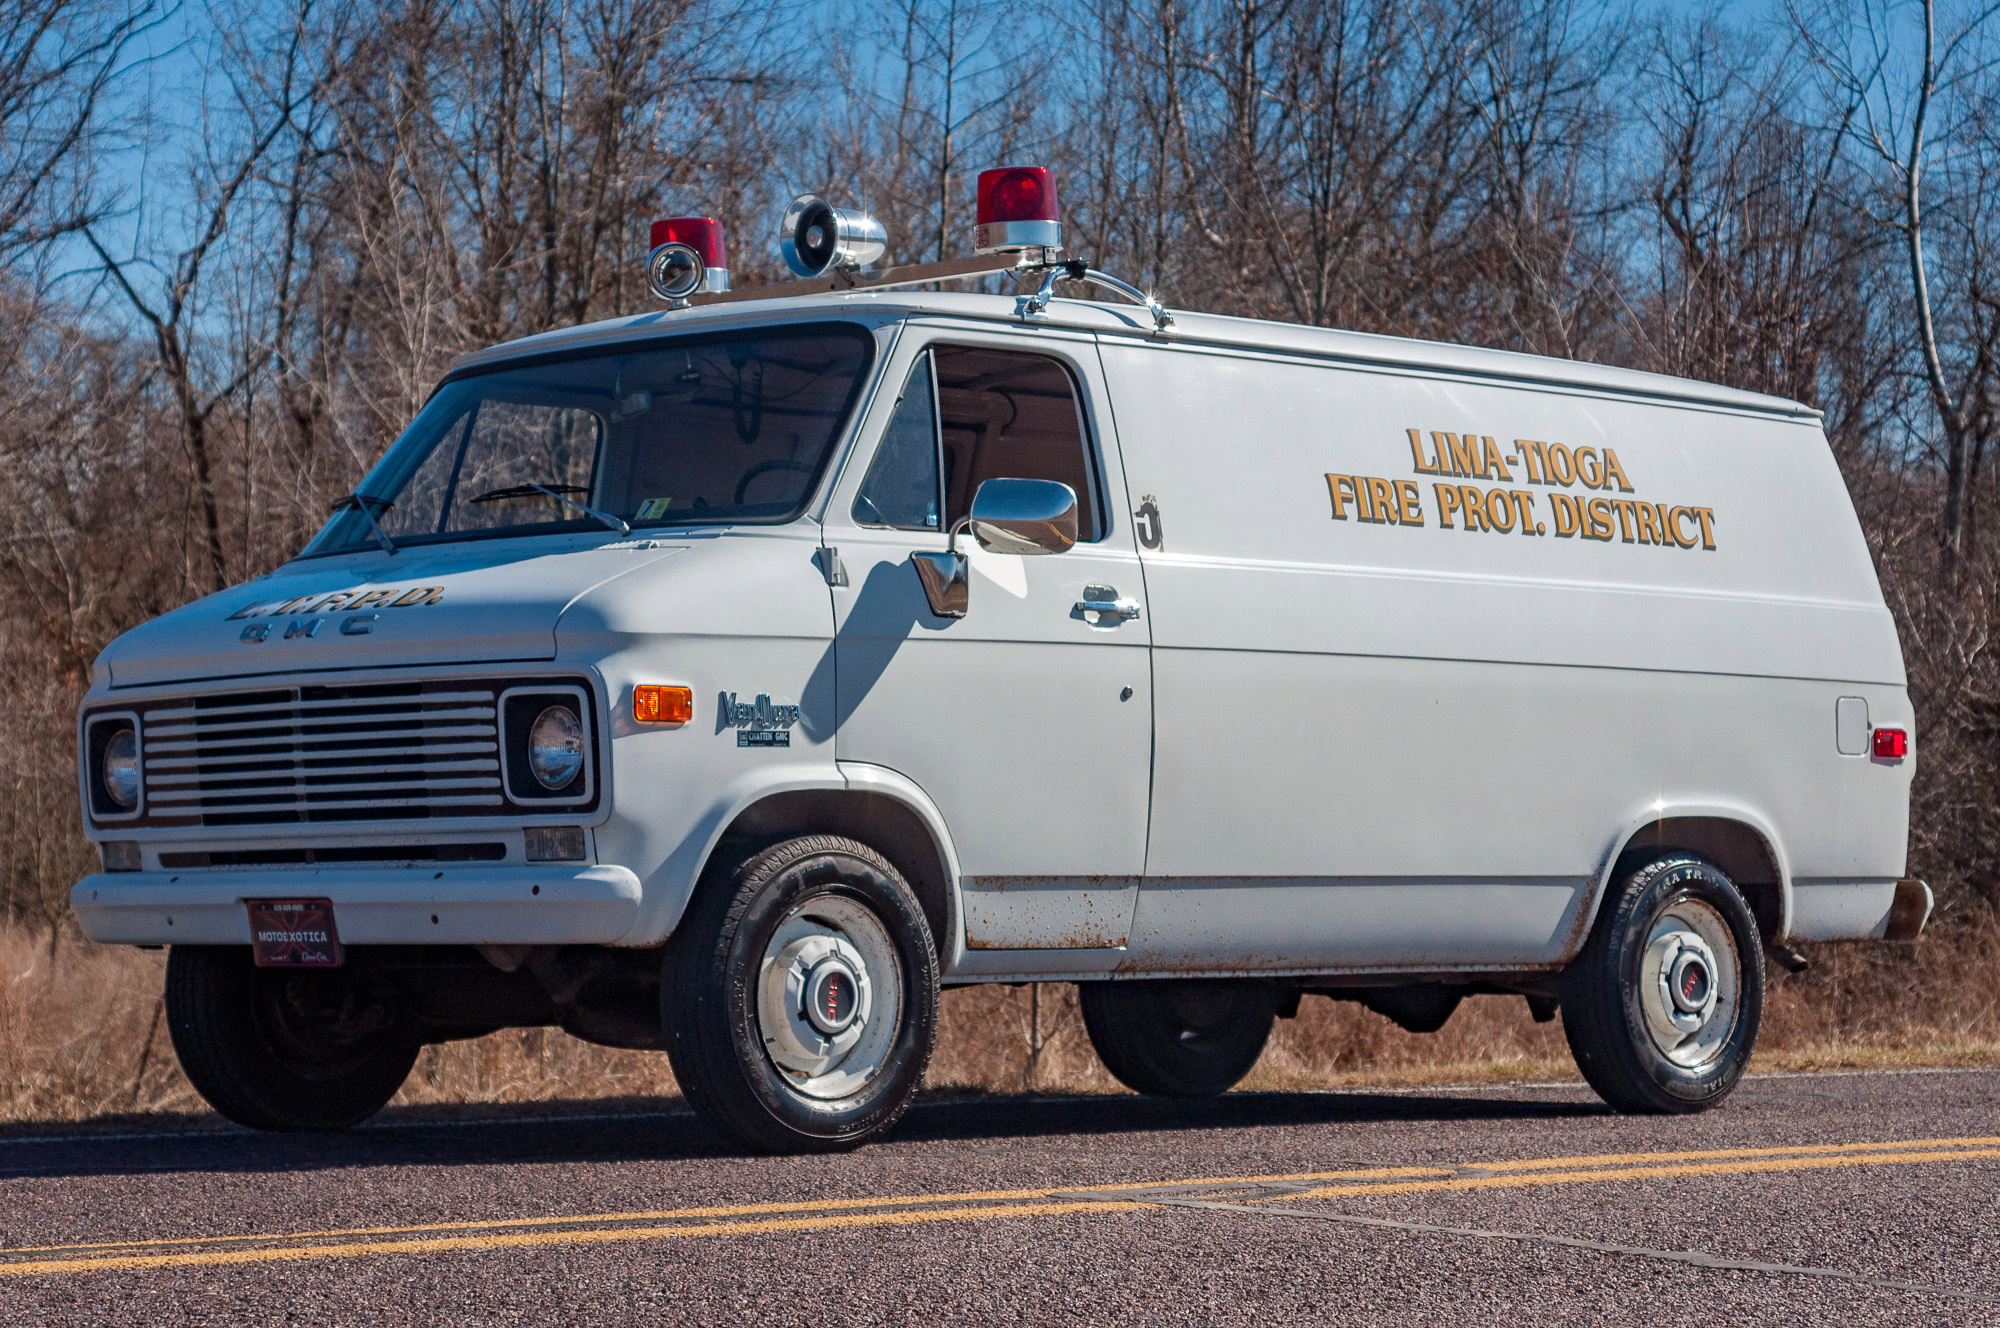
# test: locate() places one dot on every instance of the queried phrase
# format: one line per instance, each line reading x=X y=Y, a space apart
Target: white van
x=647 y=687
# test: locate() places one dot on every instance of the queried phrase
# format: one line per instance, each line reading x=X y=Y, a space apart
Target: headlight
x=555 y=748
x=121 y=768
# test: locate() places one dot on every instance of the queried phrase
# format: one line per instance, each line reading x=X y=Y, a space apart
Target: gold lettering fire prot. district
x=1375 y=500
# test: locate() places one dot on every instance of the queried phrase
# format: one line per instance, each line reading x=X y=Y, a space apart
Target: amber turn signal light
x=662 y=705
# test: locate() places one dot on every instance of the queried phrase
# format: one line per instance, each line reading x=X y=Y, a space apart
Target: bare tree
x=167 y=295
x=58 y=58
x=1902 y=108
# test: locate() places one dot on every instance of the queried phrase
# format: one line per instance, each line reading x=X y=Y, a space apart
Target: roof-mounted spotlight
x=1017 y=211
x=688 y=256
x=815 y=237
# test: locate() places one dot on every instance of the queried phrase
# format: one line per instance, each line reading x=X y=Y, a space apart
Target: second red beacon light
x=1017 y=210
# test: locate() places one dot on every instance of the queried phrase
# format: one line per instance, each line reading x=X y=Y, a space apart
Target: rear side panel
x=1392 y=737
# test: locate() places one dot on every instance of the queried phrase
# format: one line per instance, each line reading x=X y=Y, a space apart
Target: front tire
x=282 y=1049
x=1172 y=1038
x=1662 y=1007
x=800 y=997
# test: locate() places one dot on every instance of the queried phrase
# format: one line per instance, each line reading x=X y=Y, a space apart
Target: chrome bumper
x=552 y=904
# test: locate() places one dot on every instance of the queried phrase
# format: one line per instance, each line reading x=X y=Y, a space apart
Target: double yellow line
x=962 y=1206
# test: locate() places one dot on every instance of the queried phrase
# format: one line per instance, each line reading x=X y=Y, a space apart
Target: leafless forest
x=222 y=304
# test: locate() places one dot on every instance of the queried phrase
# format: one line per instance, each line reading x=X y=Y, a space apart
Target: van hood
x=472 y=604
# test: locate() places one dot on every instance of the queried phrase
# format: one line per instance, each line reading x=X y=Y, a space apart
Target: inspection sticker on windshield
x=652 y=509
x=293 y=933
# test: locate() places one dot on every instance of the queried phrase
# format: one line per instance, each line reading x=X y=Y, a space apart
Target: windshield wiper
x=360 y=501
x=556 y=492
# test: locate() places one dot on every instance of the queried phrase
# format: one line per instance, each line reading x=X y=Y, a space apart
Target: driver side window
x=967 y=415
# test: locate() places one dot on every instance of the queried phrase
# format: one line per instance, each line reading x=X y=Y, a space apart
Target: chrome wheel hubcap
x=1690 y=983
x=830 y=997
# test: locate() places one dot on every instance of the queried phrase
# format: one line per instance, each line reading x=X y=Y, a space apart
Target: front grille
x=308 y=857
x=304 y=754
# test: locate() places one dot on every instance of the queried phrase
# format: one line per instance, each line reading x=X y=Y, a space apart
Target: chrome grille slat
x=327 y=720
x=292 y=755
x=323 y=761
x=367 y=735
x=351 y=804
x=429 y=698
x=245 y=788
x=416 y=772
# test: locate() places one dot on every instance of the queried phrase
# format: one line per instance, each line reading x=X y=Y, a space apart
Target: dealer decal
x=1500 y=511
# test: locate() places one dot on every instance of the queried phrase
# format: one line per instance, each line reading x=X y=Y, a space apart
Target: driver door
x=1028 y=722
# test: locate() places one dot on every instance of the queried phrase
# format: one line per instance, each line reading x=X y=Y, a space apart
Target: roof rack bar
x=842 y=280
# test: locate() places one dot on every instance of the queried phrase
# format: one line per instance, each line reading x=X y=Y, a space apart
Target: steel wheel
x=799 y=996
x=1661 y=1008
x=830 y=997
x=1689 y=983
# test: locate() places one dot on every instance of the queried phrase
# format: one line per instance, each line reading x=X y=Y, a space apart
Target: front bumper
x=548 y=904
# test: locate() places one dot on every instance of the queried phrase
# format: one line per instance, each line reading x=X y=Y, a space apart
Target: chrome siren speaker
x=816 y=238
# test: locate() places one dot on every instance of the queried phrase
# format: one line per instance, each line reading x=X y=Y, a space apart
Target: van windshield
x=722 y=429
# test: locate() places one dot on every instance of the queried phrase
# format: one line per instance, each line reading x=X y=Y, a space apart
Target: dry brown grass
x=80 y=1035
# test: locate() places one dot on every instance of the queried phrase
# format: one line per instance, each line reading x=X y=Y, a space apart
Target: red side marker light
x=1017 y=210
x=1891 y=744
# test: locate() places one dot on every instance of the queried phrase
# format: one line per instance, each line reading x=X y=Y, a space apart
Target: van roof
x=1132 y=320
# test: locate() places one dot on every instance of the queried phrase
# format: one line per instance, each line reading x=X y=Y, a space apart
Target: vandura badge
x=757 y=723
x=303 y=608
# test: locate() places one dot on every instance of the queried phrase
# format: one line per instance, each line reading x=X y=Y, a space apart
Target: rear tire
x=282 y=1049
x=1174 y=1038
x=800 y=997
x=1662 y=1007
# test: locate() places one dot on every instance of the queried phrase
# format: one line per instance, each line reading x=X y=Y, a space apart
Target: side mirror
x=1008 y=516
x=1024 y=516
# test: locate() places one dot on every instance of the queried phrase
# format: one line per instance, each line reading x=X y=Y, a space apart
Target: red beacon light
x=687 y=256
x=1017 y=211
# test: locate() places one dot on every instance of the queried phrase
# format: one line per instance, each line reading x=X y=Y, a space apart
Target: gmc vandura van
x=729 y=679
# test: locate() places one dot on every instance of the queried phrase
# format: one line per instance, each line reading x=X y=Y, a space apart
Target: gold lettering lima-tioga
x=340 y=601
x=1513 y=510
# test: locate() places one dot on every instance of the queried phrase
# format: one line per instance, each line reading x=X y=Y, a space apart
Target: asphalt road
x=1810 y=1199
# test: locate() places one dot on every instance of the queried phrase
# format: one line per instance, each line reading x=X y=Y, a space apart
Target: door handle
x=1103 y=606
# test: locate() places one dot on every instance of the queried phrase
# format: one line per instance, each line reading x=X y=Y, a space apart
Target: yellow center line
x=733 y=1210
x=970 y=1205
x=520 y=1239
x=1607 y=1159
x=1745 y=1167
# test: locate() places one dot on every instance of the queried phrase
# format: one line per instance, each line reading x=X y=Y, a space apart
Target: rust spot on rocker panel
x=1048 y=912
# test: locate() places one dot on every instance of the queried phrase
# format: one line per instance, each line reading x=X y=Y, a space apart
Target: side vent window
x=902 y=489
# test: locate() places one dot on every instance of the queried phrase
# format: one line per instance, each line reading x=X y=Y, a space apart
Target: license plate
x=293 y=933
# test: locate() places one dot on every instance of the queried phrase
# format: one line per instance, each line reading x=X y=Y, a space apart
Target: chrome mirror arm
x=1030 y=306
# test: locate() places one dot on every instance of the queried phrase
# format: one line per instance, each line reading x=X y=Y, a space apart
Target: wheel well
x=1740 y=851
x=884 y=824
